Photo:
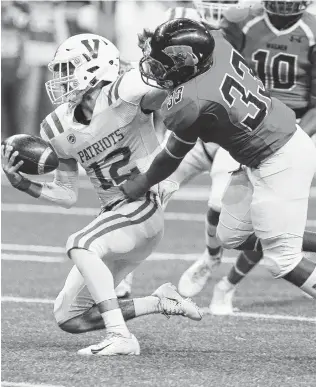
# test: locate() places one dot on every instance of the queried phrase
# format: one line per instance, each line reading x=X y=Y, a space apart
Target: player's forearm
x=308 y=122
x=161 y=168
x=50 y=192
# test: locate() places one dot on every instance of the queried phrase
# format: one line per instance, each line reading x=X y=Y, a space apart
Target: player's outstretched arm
x=164 y=164
x=308 y=121
x=62 y=191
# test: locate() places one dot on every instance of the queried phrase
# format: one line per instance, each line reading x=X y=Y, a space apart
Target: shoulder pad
x=132 y=88
x=181 y=108
x=308 y=24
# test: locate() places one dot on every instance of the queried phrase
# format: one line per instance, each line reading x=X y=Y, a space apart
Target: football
x=38 y=156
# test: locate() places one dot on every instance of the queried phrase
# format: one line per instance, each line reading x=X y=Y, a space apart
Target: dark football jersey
x=228 y=105
x=282 y=59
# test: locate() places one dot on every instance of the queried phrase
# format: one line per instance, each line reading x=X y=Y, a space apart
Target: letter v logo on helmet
x=94 y=52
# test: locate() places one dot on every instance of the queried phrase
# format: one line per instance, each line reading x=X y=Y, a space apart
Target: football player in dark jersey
x=277 y=33
x=215 y=96
x=278 y=41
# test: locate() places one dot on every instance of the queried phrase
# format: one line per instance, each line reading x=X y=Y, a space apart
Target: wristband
x=23 y=185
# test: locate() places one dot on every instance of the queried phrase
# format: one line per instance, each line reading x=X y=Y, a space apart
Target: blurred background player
x=31 y=30
x=14 y=23
x=300 y=97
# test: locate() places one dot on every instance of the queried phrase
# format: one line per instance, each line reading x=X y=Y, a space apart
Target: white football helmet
x=213 y=11
x=80 y=63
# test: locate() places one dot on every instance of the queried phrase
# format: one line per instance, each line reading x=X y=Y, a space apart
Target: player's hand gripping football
x=10 y=169
x=136 y=187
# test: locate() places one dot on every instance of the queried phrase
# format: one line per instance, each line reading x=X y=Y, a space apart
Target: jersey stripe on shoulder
x=47 y=129
x=113 y=94
x=57 y=122
x=110 y=94
x=116 y=94
x=251 y=23
x=308 y=31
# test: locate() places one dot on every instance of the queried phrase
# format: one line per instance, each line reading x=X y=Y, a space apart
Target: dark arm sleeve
x=168 y=160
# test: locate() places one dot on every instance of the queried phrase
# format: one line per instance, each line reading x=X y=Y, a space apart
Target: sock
x=304 y=276
x=251 y=244
x=129 y=278
x=213 y=246
x=309 y=241
x=225 y=284
x=100 y=283
x=146 y=305
x=114 y=322
x=246 y=261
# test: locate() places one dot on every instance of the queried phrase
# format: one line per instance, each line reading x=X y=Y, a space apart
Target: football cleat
x=222 y=300
x=113 y=344
x=196 y=276
x=124 y=288
x=171 y=303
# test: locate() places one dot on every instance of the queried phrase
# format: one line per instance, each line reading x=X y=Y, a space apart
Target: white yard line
x=22 y=384
x=260 y=316
x=91 y=211
x=33 y=248
x=263 y=316
x=26 y=300
x=15 y=256
x=198 y=193
x=56 y=254
x=32 y=258
x=189 y=192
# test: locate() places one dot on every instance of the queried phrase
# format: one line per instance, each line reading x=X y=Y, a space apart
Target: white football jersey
x=120 y=139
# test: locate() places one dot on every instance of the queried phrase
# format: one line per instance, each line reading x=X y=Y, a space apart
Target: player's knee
x=282 y=254
x=73 y=325
x=63 y=316
x=227 y=238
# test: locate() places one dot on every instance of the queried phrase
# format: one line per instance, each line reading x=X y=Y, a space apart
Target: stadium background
x=271 y=342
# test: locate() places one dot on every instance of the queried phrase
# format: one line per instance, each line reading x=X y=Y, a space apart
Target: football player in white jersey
x=104 y=123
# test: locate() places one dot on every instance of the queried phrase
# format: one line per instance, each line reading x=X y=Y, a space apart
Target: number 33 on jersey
x=229 y=105
x=119 y=141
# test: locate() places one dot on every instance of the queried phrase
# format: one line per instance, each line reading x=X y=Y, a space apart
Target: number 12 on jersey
x=125 y=152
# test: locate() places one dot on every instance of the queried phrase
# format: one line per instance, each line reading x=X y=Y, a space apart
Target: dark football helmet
x=179 y=50
x=286 y=8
